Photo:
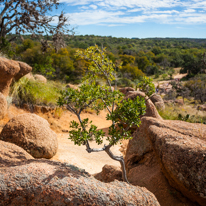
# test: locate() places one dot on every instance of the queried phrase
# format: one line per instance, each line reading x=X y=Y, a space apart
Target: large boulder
x=11 y=154
x=44 y=182
x=109 y=173
x=40 y=78
x=8 y=69
x=165 y=151
x=3 y=106
x=32 y=133
x=158 y=101
x=24 y=69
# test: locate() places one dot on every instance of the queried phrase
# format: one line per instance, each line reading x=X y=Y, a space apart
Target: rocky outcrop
x=8 y=69
x=44 y=182
x=125 y=90
x=24 y=69
x=109 y=173
x=169 y=151
x=158 y=101
x=32 y=133
x=151 y=110
x=3 y=106
x=11 y=154
x=40 y=78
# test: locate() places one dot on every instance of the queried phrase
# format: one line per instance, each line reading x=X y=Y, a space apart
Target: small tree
x=123 y=113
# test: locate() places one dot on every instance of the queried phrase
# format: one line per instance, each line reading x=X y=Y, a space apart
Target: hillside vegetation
x=133 y=58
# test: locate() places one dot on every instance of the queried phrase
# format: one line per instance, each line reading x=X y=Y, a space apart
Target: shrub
x=33 y=92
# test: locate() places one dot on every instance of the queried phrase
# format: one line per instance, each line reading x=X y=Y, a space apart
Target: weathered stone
x=125 y=90
x=24 y=69
x=109 y=173
x=11 y=154
x=30 y=76
x=8 y=69
x=181 y=149
x=44 y=182
x=158 y=101
x=3 y=106
x=40 y=78
x=32 y=133
x=172 y=149
x=72 y=86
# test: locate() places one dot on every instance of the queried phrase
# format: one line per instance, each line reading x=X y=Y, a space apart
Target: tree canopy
x=32 y=17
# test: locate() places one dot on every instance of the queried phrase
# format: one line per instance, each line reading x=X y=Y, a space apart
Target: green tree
x=143 y=63
x=31 y=16
x=41 y=62
x=91 y=95
x=127 y=59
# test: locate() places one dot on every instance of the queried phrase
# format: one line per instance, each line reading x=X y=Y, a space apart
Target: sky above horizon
x=137 y=18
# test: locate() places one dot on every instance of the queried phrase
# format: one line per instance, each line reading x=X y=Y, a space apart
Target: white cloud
x=132 y=11
x=189 y=11
x=93 y=6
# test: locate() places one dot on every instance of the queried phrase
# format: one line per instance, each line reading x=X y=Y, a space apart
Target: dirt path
x=67 y=151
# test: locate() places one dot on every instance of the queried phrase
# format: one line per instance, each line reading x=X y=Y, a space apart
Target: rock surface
x=40 y=78
x=30 y=76
x=172 y=149
x=8 y=69
x=3 y=106
x=158 y=101
x=11 y=154
x=24 y=69
x=109 y=173
x=125 y=90
x=43 y=182
x=32 y=133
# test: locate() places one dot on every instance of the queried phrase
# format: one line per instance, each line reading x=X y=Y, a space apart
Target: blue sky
x=137 y=18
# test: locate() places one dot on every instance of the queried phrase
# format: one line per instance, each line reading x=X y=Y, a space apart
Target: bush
x=33 y=92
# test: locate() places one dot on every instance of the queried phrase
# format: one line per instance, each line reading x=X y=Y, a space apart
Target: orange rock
x=32 y=133
x=8 y=69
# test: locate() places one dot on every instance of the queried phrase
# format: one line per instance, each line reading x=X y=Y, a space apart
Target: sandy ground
x=67 y=151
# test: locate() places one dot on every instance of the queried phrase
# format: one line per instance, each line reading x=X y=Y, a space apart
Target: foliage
x=193 y=63
x=33 y=92
x=146 y=85
x=64 y=65
x=32 y=17
x=96 y=97
x=180 y=89
x=197 y=88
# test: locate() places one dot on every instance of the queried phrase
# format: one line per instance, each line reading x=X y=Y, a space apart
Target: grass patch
x=34 y=92
x=187 y=113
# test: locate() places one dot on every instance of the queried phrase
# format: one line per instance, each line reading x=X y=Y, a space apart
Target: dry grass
x=173 y=112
